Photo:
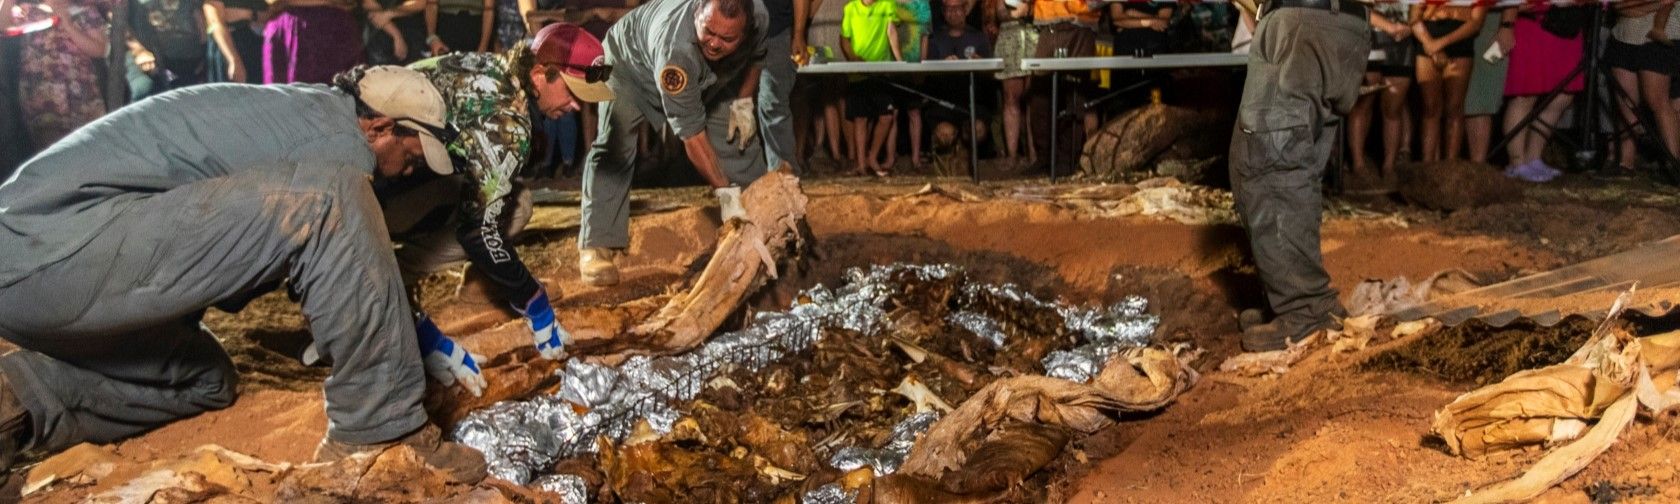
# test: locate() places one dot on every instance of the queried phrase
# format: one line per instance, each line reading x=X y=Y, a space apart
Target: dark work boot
x=1273 y=336
x=15 y=427
x=1250 y=318
x=464 y=464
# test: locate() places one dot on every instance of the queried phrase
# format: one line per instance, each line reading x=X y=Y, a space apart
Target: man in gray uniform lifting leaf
x=688 y=65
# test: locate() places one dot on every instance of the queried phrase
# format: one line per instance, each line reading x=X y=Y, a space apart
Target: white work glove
x=729 y=203
x=546 y=332
x=742 y=122
x=446 y=361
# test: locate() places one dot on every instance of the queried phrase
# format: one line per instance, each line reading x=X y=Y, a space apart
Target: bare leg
x=1629 y=82
x=1408 y=126
x=1654 y=86
x=1674 y=104
x=1359 y=129
x=1026 y=112
x=1395 y=125
x=891 y=145
x=1516 y=108
x=849 y=136
x=1457 y=85
x=861 y=163
x=883 y=127
x=915 y=137
x=1542 y=129
x=1013 y=90
x=1478 y=133
x=1430 y=86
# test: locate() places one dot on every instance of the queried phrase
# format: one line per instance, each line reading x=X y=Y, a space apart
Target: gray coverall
x=1304 y=69
x=775 y=88
x=661 y=78
x=118 y=237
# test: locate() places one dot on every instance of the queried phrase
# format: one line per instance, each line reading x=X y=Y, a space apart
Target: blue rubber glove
x=446 y=361
x=546 y=332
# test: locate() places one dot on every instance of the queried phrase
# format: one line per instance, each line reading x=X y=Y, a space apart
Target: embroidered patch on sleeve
x=673 y=79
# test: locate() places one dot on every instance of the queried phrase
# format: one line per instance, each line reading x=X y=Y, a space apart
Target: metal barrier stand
x=968 y=66
x=1055 y=66
x=1058 y=65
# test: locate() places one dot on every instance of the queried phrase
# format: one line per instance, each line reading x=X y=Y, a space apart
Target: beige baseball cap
x=410 y=98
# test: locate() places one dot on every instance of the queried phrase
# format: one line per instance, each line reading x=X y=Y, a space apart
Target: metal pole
x=1055 y=105
x=1586 y=117
x=973 y=136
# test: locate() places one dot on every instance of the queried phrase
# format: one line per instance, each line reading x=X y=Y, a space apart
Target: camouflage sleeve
x=493 y=146
x=500 y=149
x=485 y=240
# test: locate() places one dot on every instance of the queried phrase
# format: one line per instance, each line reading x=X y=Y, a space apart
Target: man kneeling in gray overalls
x=120 y=236
x=1304 y=69
x=693 y=65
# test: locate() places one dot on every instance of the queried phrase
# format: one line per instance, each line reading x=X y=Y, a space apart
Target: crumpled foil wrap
x=1123 y=325
x=572 y=488
x=886 y=459
x=831 y=493
x=1102 y=332
x=981 y=325
x=521 y=438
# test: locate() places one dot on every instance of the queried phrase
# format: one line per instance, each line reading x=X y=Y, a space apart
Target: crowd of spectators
x=1447 y=80
x=1520 y=64
x=70 y=61
x=862 y=120
x=1643 y=60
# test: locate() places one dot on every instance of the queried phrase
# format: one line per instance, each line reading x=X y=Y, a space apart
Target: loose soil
x=1476 y=354
x=1575 y=226
x=1343 y=427
x=1456 y=185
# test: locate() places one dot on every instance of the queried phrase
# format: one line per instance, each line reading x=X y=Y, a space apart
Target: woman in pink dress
x=1540 y=61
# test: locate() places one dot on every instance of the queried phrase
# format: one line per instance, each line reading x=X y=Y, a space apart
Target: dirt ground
x=1336 y=428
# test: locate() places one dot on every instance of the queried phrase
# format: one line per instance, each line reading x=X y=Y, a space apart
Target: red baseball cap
x=582 y=61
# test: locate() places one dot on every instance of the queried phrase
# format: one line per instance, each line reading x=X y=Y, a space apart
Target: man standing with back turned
x=1304 y=69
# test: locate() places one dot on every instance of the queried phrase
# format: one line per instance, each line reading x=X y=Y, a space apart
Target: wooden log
x=746 y=258
x=1140 y=139
x=516 y=374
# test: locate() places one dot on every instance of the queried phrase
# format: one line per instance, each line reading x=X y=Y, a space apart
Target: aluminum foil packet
x=831 y=493
x=571 y=488
x=886 y=459
x=979 y=324
x=520 y=439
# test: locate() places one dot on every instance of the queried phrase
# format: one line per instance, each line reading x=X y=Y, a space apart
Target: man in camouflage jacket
x=472 y=214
